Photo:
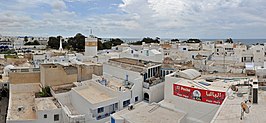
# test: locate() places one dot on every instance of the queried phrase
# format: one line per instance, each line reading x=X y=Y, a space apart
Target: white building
x=143 y=54
x=24 y=107
x=185 y=101
x=261 y=75
x=145 y=75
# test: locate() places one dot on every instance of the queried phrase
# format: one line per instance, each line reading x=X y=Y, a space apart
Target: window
x=100 y=110
x=136 y=99
x=184 y=48
x=45 y=116
x=145 y=76
x=126 y=103
x=167 y=72
x=56 y=117
x=116 y=105
x=258 y=51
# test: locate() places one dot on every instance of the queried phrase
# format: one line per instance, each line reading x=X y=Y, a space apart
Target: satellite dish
x=245 y=107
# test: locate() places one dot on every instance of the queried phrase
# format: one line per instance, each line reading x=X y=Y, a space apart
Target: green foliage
x=116 y=41
x=229 y=40
x=100 y=45
x=110 y=43
x=191 y=40
x=26 y=38
x=77 y=42
x=54 y=42
x=175 y=40
x=147 y=40
x=32 y=43
x=107 y=45
x=46 y=92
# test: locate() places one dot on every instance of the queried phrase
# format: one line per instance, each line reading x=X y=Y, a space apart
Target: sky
x=135 y=18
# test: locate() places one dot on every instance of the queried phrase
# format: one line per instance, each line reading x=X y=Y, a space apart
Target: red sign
x=208 y=96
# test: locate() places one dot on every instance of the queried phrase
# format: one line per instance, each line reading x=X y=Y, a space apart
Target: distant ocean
x=244 y=41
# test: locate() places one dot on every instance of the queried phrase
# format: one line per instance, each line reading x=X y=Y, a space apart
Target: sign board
x=208 y=96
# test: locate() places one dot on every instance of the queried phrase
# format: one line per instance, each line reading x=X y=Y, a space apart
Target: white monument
x=60 y=46
x=91 y=44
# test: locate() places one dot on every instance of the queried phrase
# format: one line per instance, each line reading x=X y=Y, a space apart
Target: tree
x=54 y=42
x=77 y=42
x=35 y=42
x=26 y=39
x=80 y=40
x=147 y=40
x=100 y=45
x=192 y=40
x=174 y=40
x=116 y=41
x=229 y=40
x=107 y=45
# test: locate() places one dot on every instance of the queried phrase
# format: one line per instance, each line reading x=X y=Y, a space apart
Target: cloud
x=58 y=4
x=137 y=18
x=203 y=18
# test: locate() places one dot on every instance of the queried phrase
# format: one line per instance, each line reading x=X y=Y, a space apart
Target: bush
x=46 y=92
x=32 y=43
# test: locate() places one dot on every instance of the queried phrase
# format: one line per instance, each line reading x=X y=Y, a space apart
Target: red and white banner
x=208 y=96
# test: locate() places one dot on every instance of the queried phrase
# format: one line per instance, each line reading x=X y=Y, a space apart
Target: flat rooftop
x=93 y=93
x=114 y=83
x=215 y=86
x=221 y=82
x=46 y=103
x=62 y=88
x=229 y=112
x=129 y=61
x=22 y=107
x=149 y=113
